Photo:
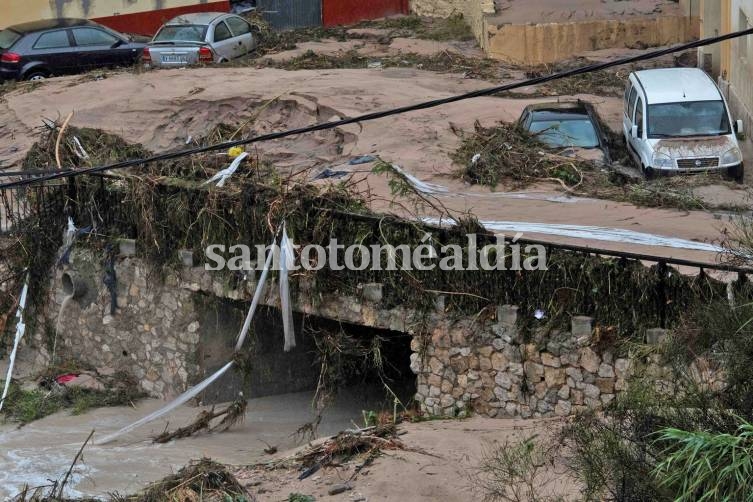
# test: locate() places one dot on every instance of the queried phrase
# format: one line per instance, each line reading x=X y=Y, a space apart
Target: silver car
x=207 y=37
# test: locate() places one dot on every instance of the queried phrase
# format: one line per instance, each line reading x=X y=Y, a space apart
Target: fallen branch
x=234 y=413
x=60 y=138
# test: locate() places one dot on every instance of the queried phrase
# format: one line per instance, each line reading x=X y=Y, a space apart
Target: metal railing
x=19 y=204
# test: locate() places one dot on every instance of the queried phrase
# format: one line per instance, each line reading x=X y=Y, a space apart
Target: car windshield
x=564 y=133
x=696 y=118
x=182 y=33
x=8 y=38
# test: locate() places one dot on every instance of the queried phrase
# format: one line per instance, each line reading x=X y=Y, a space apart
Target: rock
x=622 y=367
x=554 y=377
x=504 y=380
x=534 y=371
x=589 y=360
x=436 y=366
x=605 y=385
x=591 y=391
x=575 y=374
x=339 y=488
x=499 y=361
x=548 y=359
x=563 y=408
x=606 y=371
x=415 y=363
x=485 y=351
x=564 y=392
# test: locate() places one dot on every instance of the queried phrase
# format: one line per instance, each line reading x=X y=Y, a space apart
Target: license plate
x=174 y=58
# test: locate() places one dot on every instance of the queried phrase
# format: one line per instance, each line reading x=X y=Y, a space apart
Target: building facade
x=142 y=17
x=731 y=62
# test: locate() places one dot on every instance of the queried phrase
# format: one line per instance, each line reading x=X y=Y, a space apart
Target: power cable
x=381 y=114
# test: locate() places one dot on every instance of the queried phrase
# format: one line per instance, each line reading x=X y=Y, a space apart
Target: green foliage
x=299 y=497
x=706 y=466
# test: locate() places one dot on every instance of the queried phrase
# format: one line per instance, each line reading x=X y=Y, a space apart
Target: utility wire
x=381 y=114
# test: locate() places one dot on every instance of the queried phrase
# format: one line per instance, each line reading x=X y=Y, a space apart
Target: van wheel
x=648 y=172
x=737 y=173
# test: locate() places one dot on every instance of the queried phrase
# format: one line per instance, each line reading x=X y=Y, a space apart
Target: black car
x=41 y=49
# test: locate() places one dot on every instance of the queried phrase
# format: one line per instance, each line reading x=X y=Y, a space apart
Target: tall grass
x=705 y=466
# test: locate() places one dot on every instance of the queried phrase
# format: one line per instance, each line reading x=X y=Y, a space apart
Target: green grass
x=704 y=466
x=25 y=406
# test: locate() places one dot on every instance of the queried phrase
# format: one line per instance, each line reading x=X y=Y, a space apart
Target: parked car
x=41 y=49
x=677 y=120
x=571 y=127
x=207 y=37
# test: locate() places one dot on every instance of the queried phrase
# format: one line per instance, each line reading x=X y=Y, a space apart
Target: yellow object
x=234 y=152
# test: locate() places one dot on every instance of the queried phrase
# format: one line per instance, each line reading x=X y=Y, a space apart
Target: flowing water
x=43 y=450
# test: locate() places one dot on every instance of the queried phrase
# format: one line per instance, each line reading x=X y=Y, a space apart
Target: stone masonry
x=460 y=365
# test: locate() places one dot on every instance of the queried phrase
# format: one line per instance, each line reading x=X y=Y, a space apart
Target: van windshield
x=695 y=118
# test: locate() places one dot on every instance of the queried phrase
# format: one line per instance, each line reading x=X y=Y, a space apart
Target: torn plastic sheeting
x=593 y=233
x=256 y=299
x=20 y=330
x=222 y=176
x=180 y=400
x=196 y=390
x=434 y=189
x=287 y=257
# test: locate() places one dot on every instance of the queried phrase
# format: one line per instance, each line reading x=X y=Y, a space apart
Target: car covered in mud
x=207 y=37
x=571 y=128
x=677 y=120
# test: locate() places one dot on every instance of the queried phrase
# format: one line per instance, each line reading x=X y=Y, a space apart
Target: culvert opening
x=347 y=366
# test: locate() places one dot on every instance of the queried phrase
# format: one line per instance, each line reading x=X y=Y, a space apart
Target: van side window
x=631 y=103
x=628 y=90
x=638 y=120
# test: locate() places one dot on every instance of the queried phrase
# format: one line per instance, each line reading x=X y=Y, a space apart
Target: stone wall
x=153 y=335
x=172 y=331
x=494 y=372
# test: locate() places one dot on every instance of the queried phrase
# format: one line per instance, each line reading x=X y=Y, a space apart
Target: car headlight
x=662 y=161
x=732 y=156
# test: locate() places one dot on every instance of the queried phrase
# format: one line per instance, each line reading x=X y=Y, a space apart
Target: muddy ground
x=166 y=109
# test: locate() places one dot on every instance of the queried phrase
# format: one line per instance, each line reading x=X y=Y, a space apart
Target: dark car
x=41 y=49
x=566 y=125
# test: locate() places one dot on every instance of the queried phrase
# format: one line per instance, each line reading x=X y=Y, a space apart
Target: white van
x=676 y=120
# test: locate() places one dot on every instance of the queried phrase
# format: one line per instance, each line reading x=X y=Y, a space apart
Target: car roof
x=566 y=110
x=677 y=85
x=200 y=18
x=49 y=24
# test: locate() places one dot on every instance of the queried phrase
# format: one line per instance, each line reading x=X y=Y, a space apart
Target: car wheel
x=737 y=173
x=648 y=172
x=36 y=76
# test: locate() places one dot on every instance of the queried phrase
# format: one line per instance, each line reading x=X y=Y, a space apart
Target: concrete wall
x=473 y=11
x=551 y=42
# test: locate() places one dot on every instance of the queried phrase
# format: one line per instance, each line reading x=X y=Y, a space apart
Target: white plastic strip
x=222 y=176
x=436 y=190
x=256 y=299
x=182 y=399
x=287 y=257
x=593 y=233
x=20 y=330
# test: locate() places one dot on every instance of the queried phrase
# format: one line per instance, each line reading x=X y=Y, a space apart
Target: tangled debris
x=231 y=415
x=507 y=154
x=363 y=443
x=200 y=480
